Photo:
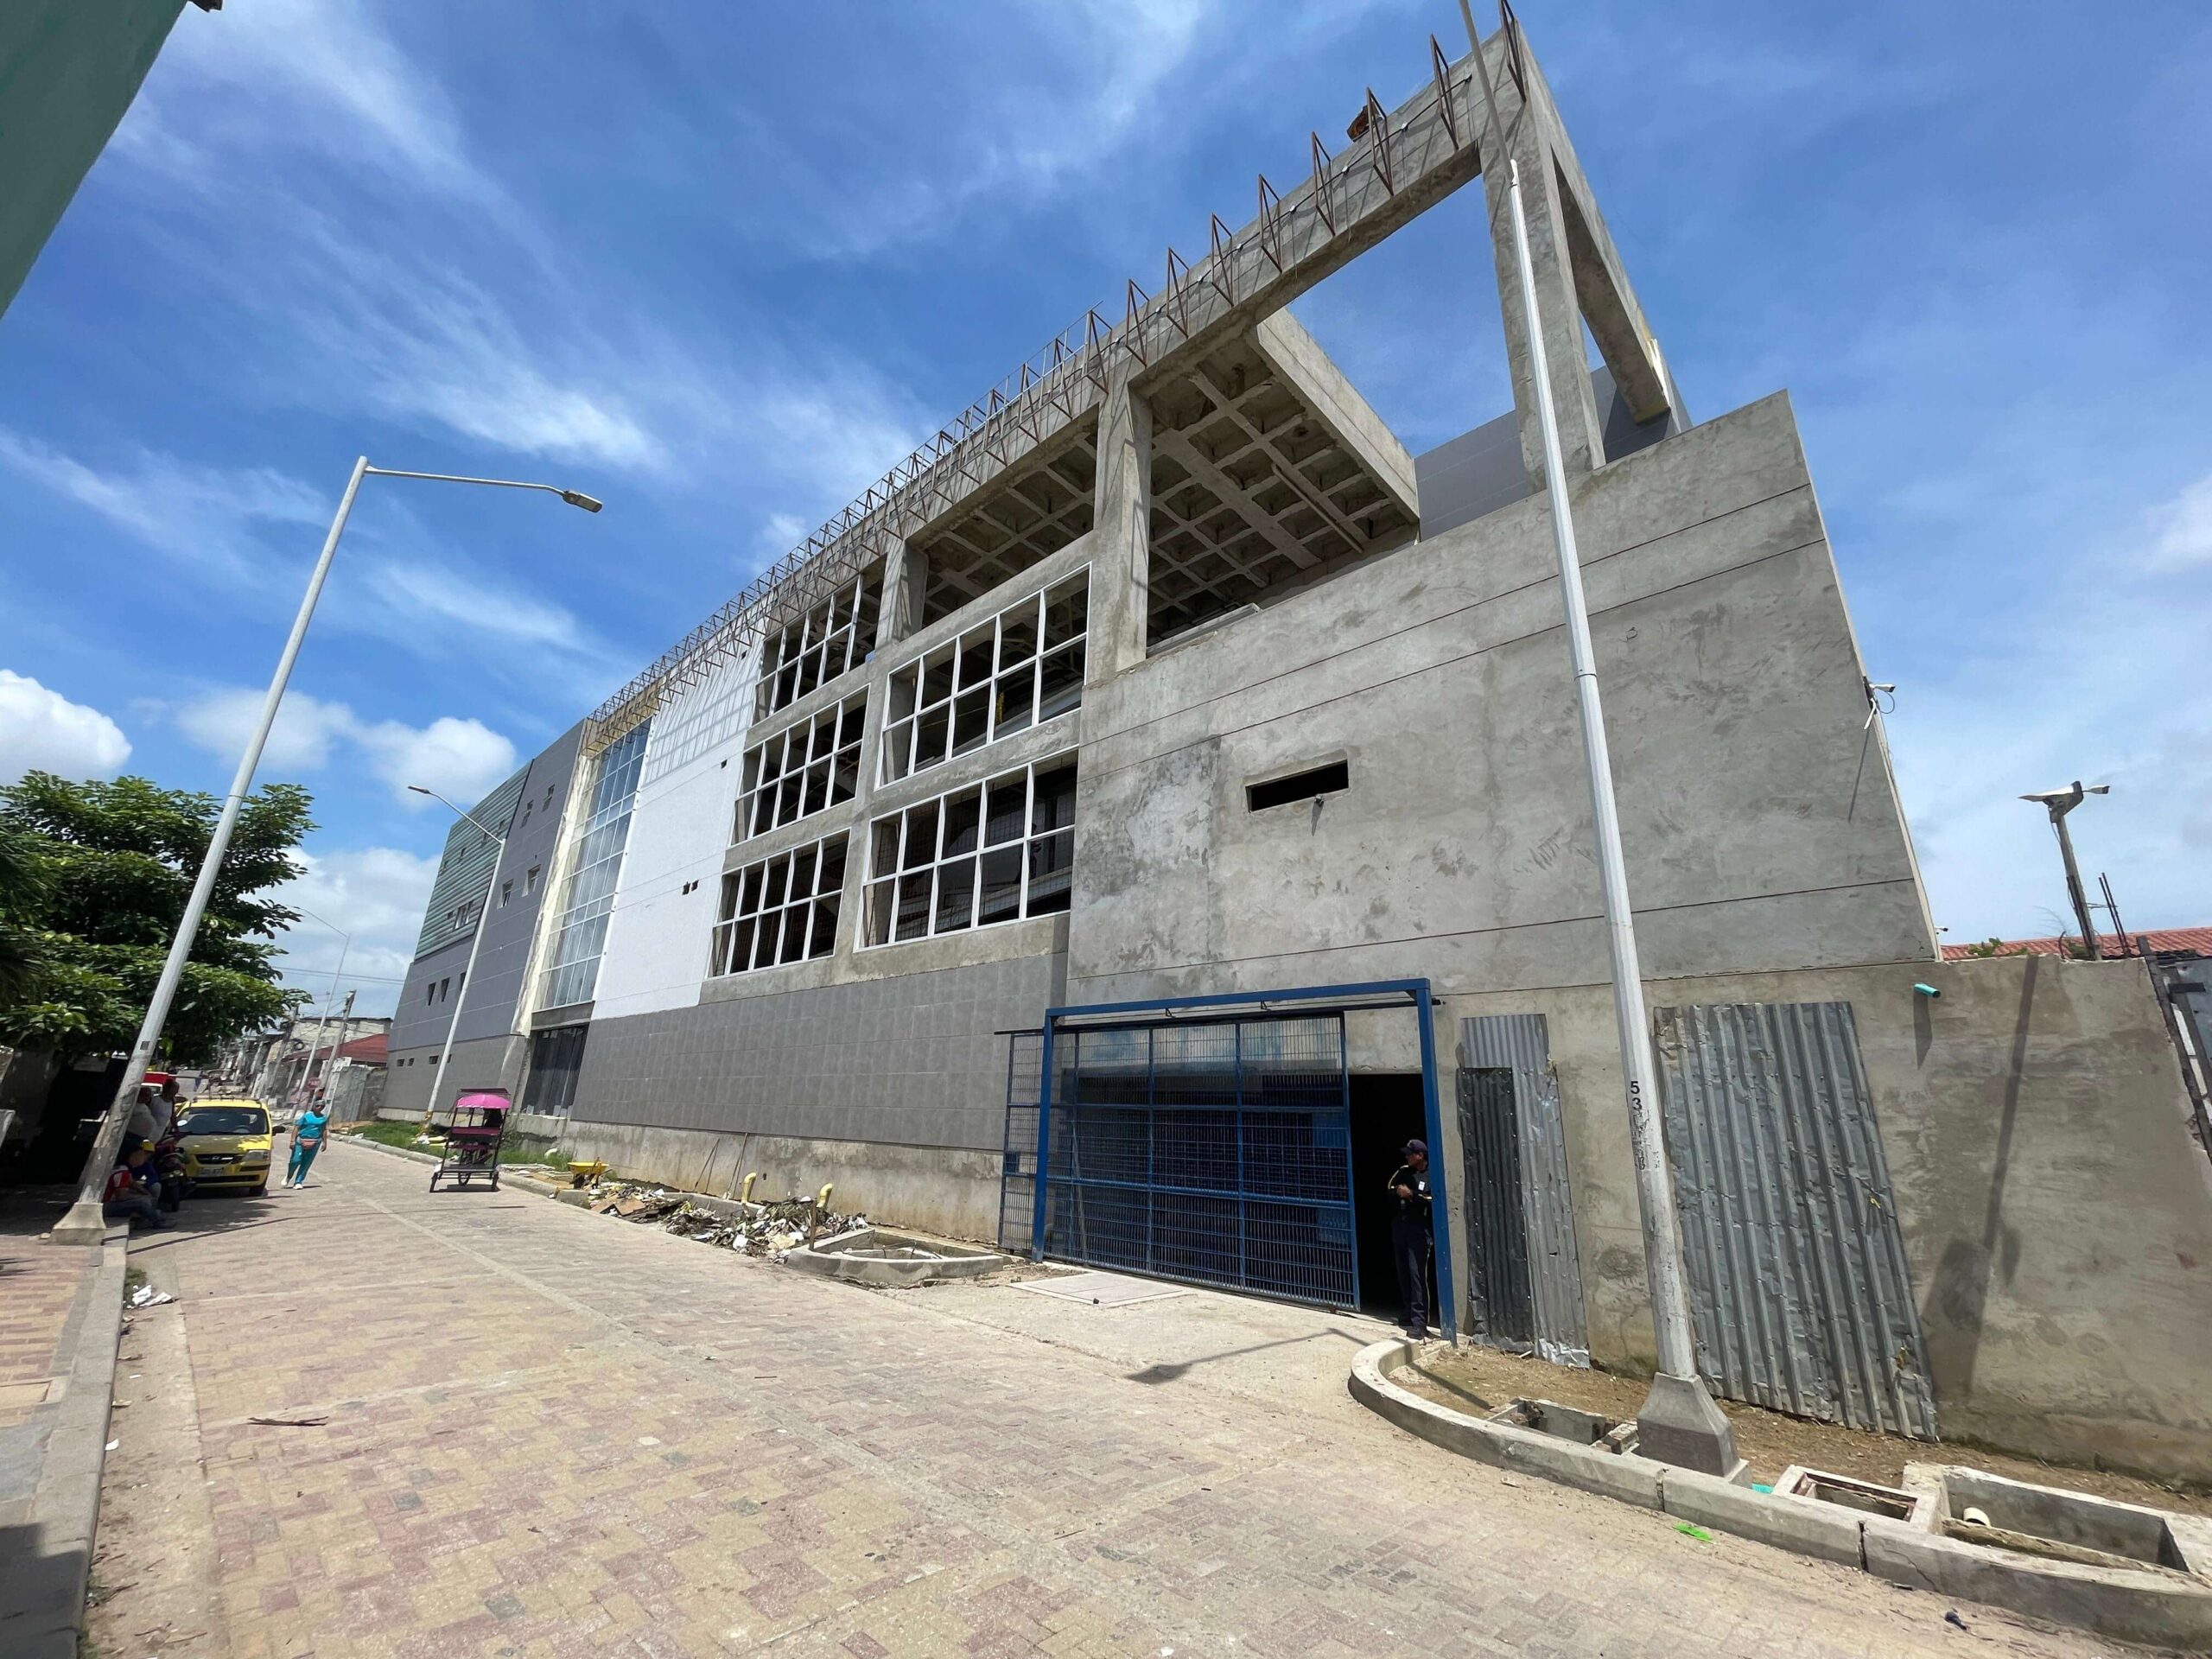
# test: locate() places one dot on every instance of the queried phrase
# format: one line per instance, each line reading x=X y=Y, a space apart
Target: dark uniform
x=1413 y=1242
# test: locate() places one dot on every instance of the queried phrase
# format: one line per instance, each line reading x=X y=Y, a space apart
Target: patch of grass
x=132 y=1278
x=517 y=1149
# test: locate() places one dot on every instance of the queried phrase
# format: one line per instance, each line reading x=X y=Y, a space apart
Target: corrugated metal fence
x=1526 y=1293
x=1797 y=1276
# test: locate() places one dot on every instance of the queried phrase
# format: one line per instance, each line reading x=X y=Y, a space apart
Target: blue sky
x=721 y=265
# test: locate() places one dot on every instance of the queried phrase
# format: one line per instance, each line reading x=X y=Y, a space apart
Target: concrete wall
x=951 y=1191
x=487 y=1062
x=2057 y=1212
x=908 y=1059
x=1761 y=827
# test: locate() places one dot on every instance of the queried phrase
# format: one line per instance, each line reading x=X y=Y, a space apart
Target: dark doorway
x=1387 y=1111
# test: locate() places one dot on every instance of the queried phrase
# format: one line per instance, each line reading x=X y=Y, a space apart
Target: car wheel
x=261 y=1192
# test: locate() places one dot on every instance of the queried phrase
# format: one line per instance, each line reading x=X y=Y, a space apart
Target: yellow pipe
x=745 y=1193
x=822 y=1198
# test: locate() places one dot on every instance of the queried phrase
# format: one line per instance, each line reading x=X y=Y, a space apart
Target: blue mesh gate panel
x=1025 y=1072
x=1216 y=1151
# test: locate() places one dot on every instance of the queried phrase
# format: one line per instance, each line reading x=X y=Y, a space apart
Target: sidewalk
x=482 y=1424
x=60 y=1312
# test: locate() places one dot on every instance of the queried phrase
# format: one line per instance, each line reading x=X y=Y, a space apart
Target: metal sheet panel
x=1797 y=1279
x=1540 y=1236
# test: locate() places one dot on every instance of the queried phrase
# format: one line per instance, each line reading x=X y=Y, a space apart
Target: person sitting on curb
x=130 y=1196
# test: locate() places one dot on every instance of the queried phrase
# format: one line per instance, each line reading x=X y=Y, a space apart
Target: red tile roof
x=2199 y=939
x=367 y=1051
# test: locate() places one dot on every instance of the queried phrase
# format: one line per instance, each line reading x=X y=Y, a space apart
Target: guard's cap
x=1412 y=1147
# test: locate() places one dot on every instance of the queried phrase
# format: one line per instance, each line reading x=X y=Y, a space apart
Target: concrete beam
x=1121 y=572
x=1299 y=361
x=1232 y=495
x=906 y=573
x=1601 y=284
x=1526 y=139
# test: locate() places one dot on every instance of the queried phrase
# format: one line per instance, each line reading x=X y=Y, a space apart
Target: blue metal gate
x=1025 y=1074
x=1216 y=1150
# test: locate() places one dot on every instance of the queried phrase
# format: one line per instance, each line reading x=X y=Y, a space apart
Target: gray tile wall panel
x=911 y=1060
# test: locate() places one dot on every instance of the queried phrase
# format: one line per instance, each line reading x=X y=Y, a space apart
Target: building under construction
x=1126 y=824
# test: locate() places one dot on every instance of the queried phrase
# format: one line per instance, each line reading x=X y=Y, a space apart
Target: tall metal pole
x=328 y=1002
x=2090 y=948
x=475 y=943
x=2058 y=802
x=344 y=947
x=85 y=1224
x=345 y=1018
x=1679 y=1422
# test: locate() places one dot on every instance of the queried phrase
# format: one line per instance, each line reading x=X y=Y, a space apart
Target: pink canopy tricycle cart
x=471 y=1129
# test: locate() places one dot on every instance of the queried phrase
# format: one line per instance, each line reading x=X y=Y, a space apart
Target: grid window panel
x=995 y=852
x=831 y=638
x=801 y=770
x=782 y=909
x=1018 y=670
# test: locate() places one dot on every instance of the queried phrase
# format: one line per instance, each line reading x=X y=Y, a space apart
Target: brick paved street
x=554 y=1433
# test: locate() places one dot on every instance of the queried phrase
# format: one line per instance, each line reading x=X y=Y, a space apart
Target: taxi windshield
x=224 y=1120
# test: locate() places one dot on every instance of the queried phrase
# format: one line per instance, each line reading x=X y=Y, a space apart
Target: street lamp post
x=2059 y=802
x=475 y=943
x=346 y=946
x=85 y=1223
x=1678 y=1422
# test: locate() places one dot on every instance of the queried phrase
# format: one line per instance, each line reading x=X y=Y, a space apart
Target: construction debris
x=770 y=1230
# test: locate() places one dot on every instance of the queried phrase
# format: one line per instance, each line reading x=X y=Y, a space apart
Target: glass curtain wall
x=587 y=896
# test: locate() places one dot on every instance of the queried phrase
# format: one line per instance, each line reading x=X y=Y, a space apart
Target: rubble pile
x=771 y=1230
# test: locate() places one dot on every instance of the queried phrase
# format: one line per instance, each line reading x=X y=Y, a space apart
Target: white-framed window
x=1008 y=673
x=782 y=909
x=810 y=650
x=802 y=769
x=993 y=852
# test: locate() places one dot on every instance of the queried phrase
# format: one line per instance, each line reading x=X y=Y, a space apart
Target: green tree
x=93 y=879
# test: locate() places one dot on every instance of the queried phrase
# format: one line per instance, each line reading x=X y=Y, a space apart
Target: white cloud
x=444 y=595
x=306 y=730
x=205 y=515
x=377 y=894
x=2181 y=529
x=40 y=730
x=464 y=760
x=326 y=73
x=421 y=341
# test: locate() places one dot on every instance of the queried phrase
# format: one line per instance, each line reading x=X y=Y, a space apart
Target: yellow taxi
x=226 y=1144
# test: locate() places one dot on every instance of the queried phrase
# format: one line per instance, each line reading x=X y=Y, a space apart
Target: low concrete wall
x=2055 y=1212
x=949 y=1191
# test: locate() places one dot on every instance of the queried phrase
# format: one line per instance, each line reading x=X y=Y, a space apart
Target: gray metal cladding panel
x=913 y=1060
x=1797 y=1279
x=1520 y=1043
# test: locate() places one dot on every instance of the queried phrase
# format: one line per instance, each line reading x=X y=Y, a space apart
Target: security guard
x=1413 y=1243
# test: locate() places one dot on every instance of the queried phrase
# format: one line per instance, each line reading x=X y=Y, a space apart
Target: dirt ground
x=1478 y=1379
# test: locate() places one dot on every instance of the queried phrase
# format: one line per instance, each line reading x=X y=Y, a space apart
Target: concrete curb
x=2160 y=1608
x=65 y=1507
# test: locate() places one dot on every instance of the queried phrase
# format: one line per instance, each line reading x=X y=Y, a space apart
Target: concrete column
x=1582 y=437
x=1121 y=581
x=905 y=572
